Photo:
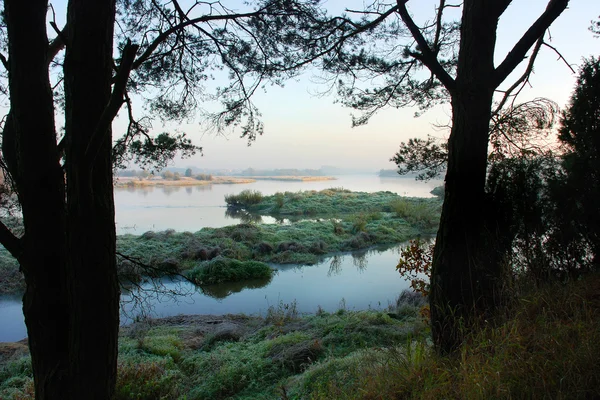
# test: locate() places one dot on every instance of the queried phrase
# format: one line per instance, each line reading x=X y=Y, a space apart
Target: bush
x=246 y=198
x=222 y=269
x=204 y=177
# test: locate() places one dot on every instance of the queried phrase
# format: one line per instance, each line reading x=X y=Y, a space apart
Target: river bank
x=542 y=345
x=184 y=181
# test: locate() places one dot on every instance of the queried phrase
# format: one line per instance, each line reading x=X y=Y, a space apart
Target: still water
x=193 y=208
x=357 y=280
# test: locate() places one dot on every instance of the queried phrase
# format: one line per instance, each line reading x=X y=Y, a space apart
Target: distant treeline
x=133 y=173
x=280 y=172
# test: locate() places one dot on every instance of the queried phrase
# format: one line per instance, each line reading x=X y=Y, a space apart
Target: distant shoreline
x=129 y=182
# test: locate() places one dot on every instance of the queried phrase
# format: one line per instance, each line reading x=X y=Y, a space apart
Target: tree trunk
x=463 y=281
x=31 y=154
x=90 y=205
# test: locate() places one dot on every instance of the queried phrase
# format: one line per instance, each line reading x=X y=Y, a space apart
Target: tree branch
x=428 y=57
x=164 y=35
x=524 y=78
x=4 y=61
x=517 y=54
x=560 y=56
x=114 y=104
x=57 y=44
x=10 y=242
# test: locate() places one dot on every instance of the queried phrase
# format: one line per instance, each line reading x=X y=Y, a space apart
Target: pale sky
x=306 y=131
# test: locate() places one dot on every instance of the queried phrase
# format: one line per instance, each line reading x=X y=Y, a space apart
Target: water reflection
x=335 y=266
x=223 y=290
x=359 y=259
x=168 y=190
x=188 y=190
x=243 y=215
x=202 y=188
x=367 y=279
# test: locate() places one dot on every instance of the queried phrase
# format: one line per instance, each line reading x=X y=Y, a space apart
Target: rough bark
x=466 y=276
x=91 y=225
x=462 y=280
x=29 y=144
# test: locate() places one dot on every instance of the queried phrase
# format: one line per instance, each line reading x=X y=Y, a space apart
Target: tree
x=64 y=182
x=580 y=133
x=188 y=173
x=465 y=285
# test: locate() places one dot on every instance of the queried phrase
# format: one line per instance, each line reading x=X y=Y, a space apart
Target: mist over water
x=192 y=208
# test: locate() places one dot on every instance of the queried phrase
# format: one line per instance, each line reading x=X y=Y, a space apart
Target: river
x=355 y=281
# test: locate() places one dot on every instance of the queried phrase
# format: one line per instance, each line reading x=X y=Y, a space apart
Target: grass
x=546 y=346
x=165 y=360
x=325 y=203
x=342 y=221
x=543 y=345
x=303 y=242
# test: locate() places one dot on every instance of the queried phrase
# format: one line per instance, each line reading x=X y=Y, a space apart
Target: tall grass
x=245 y=198
x=546 y=346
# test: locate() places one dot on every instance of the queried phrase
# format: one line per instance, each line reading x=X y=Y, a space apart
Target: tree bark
x=30 y=149
x=91 y=222
x=463 y=282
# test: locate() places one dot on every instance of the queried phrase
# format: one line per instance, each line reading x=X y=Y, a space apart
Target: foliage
x=580 y=133
x=438 y=191
x=222 y=269
x=595 y=27
x=204 y=177
x=520 y=130
x=429 y=156
x=415 y=264
x=245 y=198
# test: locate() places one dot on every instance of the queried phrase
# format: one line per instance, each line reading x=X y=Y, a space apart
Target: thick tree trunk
x=91 y=225
x=30 y=149
x=463 y=281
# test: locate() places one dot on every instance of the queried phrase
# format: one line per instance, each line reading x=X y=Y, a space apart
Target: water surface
x=355 y=281
x=192 y=208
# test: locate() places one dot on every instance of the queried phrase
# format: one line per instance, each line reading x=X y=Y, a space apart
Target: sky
x=303 y=130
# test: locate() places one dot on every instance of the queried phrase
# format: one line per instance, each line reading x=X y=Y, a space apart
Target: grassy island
x=326 y=222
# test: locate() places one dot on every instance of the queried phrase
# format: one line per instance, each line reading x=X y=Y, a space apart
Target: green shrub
x=245 y=198
x=222 y=269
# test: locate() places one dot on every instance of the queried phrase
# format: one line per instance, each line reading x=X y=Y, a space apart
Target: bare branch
x=518 y=52
x=560 y=56
x=114 y=104
x=58 y=43
x=523 y=79
x=428 y=57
